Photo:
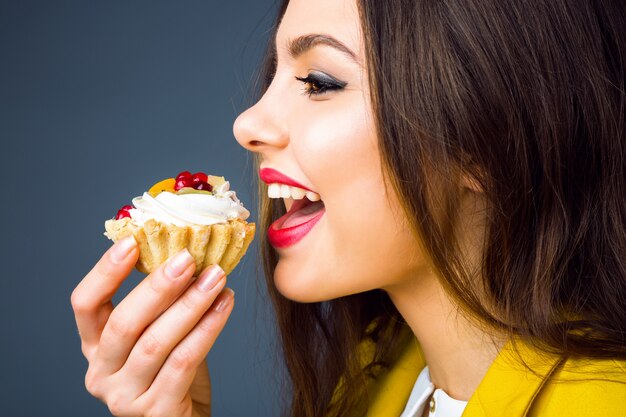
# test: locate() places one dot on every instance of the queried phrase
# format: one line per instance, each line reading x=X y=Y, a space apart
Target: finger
x=173 y=381
x=140 y=308
x=200 y=390
x=162 y=336
x=199 y=403
x=91 y=299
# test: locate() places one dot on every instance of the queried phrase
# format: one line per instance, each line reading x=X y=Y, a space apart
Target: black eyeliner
x=317 y=83
x=326 y=79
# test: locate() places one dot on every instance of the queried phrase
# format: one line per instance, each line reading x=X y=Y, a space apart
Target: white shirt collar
x=441 y=404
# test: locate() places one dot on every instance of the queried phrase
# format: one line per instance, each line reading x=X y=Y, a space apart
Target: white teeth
x=276 y=190
x=285 y=191
x=312 y=196
x=297 y=193
x=273 y=191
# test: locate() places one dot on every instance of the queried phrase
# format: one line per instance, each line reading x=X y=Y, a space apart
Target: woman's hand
x=146 y=355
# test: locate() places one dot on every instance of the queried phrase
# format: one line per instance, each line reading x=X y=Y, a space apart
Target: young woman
x=468 y=253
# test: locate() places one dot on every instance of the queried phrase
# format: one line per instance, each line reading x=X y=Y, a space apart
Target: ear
x=469 y=182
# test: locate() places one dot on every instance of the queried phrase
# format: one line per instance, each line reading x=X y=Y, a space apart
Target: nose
x=262 y=127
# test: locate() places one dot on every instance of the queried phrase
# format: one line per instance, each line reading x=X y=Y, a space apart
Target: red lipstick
x=302 y=216
x=296 y=224
x=270 y=175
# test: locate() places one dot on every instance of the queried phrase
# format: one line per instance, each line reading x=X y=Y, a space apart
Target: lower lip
x=289 y=236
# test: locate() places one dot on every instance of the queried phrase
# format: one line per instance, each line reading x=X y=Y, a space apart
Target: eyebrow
x=302 y=44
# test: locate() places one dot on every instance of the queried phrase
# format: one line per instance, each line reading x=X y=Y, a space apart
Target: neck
x=457 y=351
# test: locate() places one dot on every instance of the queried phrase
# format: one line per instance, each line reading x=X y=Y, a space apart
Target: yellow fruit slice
x=165 y=185
x=215 y=181
x=190 y=190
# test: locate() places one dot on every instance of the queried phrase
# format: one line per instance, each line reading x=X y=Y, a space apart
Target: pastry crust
x=222 y=243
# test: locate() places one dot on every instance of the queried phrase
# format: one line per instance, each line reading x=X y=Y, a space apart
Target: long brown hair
x=528 y=99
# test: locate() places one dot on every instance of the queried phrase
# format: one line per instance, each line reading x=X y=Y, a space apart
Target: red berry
x=203 y=185
x=122 y=214
x=183 y=175
x=182 y=183
x=200 y=176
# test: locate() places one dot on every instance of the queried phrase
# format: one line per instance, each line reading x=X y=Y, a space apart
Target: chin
x=303 y=287
x=294 y=285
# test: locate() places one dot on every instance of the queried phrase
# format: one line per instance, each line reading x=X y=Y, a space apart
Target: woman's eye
x=319 y=83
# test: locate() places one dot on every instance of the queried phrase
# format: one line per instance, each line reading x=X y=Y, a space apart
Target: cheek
x=375 y=243
x=363 y=241
x=335 y=145
x=339 y=154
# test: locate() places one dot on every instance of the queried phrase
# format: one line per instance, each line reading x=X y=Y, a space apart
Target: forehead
x=337 y=18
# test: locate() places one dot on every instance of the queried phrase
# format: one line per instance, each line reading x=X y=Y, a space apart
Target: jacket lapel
x=507 y=390
x=390 y=394
x=512 y=382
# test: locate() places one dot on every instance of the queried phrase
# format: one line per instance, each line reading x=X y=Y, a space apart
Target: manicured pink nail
x=178 y=264
x=209 y=278
x=122 y=249
x=227 y=298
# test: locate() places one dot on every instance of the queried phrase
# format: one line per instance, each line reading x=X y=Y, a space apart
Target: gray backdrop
x=98 y=99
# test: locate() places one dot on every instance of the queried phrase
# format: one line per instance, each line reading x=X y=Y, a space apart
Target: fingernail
x=209 y=278
x=178 y=264
x=225 y=301
x=122 y=249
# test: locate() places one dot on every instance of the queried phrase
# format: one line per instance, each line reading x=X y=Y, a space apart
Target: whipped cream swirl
x=189 y=209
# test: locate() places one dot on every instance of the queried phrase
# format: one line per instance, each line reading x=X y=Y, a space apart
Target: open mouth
x=305 y=211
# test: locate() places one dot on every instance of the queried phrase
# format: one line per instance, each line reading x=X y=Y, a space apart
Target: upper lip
x=271 y=176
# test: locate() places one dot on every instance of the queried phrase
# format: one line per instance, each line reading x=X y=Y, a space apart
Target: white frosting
x=189 y=209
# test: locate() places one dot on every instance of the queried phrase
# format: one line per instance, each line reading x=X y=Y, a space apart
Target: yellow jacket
x=556 y=386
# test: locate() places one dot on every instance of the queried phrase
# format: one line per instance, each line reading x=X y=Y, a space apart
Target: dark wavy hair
x=527 y=98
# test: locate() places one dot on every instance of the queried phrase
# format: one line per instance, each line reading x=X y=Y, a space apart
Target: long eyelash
x=316 y=85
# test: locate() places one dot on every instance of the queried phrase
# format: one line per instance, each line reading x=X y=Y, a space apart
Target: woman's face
x=314 y=125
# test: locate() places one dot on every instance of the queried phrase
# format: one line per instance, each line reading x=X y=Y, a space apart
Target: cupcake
x=198 y=212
